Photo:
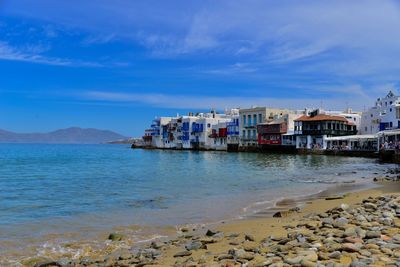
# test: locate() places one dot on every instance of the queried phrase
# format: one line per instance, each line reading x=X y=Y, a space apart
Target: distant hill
x=73 y=135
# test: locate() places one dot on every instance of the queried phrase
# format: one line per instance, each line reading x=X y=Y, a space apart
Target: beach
x=328 y=229
x=69 y=205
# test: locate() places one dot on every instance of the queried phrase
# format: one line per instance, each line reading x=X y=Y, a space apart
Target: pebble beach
x=354 y=229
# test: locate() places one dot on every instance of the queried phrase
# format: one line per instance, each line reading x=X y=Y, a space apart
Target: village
x=274 y=129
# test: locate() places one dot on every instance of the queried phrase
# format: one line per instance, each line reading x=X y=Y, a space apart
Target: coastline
x=257 y=226
x=260 y=228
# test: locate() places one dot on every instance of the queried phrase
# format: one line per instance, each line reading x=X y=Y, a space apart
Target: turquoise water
x=47 y=189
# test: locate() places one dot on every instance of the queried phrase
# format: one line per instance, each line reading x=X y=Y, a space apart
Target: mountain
x=72 y=135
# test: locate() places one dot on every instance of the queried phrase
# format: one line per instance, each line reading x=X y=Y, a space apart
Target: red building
x=271 y=133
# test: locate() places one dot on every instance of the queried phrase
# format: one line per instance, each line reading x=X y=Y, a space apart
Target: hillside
x=72 y=135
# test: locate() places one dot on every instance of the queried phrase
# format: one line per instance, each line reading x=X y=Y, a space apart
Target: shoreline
x=250 y=223
x=259 y=228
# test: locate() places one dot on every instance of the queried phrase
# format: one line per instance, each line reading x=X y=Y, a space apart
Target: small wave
x=315 y=181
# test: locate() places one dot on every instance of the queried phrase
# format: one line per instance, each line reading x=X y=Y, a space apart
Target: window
x=244 y=133
x=249 y=119
x=260 y=118
x=390 y=109
x=208 y=125
x=372 y=115
x=255 y=119
x=366 y=128
x=244 y=119
x=397 y=112
x=391 y=124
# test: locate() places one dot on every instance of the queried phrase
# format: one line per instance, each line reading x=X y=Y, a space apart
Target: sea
x=58 y=200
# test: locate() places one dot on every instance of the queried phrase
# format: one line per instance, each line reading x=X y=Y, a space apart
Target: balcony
x=250 y=125
x=249 y=139
x=328 y=132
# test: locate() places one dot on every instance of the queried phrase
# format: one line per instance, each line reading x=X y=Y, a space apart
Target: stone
x=242 y=254
x=249 y=237
x=115 y=237
x=211 y=233
x=370 y=206
x=309 y=255
x=225 y=257
x=156 y=245
x=195 y=245
x=349 y=247
x=335 y=255
x=184 y=253
x=345 y=260
x=372 y=234
x=307 y=263
x=293 y=261
x=47 y=263
x=334 y=197
x=251 y=246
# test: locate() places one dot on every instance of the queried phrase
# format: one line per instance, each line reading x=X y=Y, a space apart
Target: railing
x=249 y=139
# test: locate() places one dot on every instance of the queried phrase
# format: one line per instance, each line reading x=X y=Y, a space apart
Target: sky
x=118 y=64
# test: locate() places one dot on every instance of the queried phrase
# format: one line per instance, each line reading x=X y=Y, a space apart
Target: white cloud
x=31 y=54
x=353 y=95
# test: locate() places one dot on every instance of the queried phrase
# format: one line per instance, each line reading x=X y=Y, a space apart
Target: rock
x=335 y=255
x=307 y=263
x=346 y=260
x=372 y=234
x=184 y=253
x=242 y=254
x=156 y=245
x=48 y=263
x=115 y=237
x=309 y=255
x=251 y=246
x=195 y=245
x=350 y=231
x=210 y=233
x=207 y=240
x=353 y=240
x=283 y=213
x=334 y=197
x=293 y=261
x=249 y=237
x=349 y=247
x=370 y=206
x=225 y=257
x=184 y=229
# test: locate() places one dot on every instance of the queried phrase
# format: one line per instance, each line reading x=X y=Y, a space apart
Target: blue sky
x=117 y=64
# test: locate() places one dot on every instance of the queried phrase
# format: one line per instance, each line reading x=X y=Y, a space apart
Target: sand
x=262 y=227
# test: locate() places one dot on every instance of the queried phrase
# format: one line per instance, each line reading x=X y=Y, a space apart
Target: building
x=278 y=132
x=385 y=115
x=312 y=130
x=248 y=120
x=190 y=132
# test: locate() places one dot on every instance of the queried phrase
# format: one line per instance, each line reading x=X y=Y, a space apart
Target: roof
x=322 y=117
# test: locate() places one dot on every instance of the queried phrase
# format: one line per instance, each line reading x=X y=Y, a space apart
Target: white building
x=385 y=115
x=249 y=118
x=190 y=132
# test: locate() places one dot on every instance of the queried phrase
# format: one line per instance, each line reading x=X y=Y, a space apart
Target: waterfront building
x=248 y=120
x=190 y=132
x=278 y=133
x=385 y=115
x=312 y=130
x=233 y=137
